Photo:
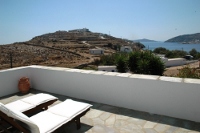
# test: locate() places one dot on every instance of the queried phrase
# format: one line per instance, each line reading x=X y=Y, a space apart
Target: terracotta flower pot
x=24 y=85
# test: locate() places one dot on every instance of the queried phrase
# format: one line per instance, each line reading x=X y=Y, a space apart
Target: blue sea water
x=171 y=46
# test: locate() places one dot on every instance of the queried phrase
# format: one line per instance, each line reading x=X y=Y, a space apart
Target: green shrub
x=156 y=66
x=107 y=60
x=145 y=63
x=194 y=53
x=175 y=54
x=198 y=56
x=172 y=53
x=132 y=61
x=137 y=62
x=160 y=50
x=143 y=67
x=121 y=63
x=140 y=45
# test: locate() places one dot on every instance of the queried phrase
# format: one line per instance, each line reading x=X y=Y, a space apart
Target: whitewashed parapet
x=171 y=79
x=192 y=81
x=127 y=75
x=170 y=96
x=141 y=76
x=9 y=79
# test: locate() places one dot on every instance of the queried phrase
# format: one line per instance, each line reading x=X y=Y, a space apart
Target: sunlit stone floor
x=104 y=118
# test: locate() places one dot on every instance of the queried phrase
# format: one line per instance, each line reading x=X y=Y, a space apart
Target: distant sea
x=171 y=46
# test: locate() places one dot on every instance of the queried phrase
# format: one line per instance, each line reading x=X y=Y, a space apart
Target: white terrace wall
x=9 y=79
x=168 y=96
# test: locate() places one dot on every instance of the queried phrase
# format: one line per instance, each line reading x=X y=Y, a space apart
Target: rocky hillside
x=186 y=39
x=61 y=48
x=78 y=37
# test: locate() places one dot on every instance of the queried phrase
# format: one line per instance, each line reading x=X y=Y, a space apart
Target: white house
x=165 y=60
x=126 y=49
x=96 y=51
x=107 y=68
x=160 y=55
x=175 y=62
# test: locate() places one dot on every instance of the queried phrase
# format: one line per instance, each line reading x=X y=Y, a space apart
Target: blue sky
x=21 y=20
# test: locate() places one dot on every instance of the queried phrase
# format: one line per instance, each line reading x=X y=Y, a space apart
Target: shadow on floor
x=148 y=117
x=121 y=111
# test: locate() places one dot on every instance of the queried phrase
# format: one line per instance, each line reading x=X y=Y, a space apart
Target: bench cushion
x=69 y=108
x=21 y=117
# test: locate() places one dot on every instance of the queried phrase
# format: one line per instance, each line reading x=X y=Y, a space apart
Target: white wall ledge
x=124 y=75
x=87 y=71
x=171 y=79
x=141 y=76
x=111 y=73
x=128 y=75
x=13 y=69
x=192 y=81
x=75 y=70
x=98 y=72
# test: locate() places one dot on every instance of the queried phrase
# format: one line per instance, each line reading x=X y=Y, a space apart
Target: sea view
x=171 y=46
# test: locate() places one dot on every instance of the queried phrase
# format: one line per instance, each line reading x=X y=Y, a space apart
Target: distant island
x=186 y=39
x=144 y=40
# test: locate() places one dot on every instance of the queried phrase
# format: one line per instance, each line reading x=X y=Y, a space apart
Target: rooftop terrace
x=104 y=118
x=122 y=103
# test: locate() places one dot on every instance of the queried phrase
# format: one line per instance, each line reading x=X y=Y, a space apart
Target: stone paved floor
x=109 y=119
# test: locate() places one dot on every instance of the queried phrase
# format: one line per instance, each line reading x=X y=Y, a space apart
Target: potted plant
x=24 y=85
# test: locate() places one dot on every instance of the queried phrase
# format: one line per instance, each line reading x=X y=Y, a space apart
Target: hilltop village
x=71 y=48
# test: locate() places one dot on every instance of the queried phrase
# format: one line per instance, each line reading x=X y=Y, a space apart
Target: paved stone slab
x=93 y=113
x=161 y=127
x=109 y=119
x=105 y=115
x=149 y=124
x=149 y=130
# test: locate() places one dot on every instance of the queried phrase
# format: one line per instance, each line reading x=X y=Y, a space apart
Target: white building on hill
x=96 y=51
x=175 y=62
x=172 y=62
x=126 y=49
x=79 y=30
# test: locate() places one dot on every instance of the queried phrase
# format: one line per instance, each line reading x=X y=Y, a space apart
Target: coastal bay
x=171 y=46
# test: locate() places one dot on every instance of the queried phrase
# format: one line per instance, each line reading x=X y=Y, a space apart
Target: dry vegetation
x=61 y=48
x=173 y=71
